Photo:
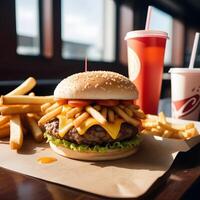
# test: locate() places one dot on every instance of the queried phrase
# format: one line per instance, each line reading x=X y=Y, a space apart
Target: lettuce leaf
x=134 y=142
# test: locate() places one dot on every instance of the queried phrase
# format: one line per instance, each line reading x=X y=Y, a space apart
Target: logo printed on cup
x=134 y=64
x=185 y=86
x=186 y=106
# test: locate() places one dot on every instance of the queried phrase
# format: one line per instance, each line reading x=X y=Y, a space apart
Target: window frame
x=20 y=66
x=43 y=67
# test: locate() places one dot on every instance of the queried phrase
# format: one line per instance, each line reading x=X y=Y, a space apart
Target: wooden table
x=181 y=181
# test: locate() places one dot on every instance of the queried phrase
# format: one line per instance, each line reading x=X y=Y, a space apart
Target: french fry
x=24 y=88
x=111 y=116
x=4 y=132
x=6 y=125
x=73 y=112
x=160 y=128
x=16 y=134
x=157 y=131
x=149 y=123
x=4 y=120
x=63 y=131
x=158 y=124
x=34 y=115
x=35 y=129
x=45 y=106
x=178 y=126
x=123 y=115
x=133 y=107
x=191 y=132
x=77 y=115
x=122 y=106
x=167 y=133
x=52 y=107
x=104 y=112
x=32 y=94
x=153 y=131
x=18 y=109
x=25 y=99
x=79 y=120
x=139 y=114
x=189 y=126
x=49 y=116
x=167 y=127
x=180 y=135
x=128 y=111
x=162 y=118
x=66 y=109
x=151 y=117
x=96 y=114
x=149 y=132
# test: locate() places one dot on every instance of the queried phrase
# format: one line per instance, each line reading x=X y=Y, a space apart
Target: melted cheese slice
x=65 y=109
x=112 y=128
x=64 y=125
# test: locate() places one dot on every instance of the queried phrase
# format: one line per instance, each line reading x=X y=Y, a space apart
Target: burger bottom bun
x=93 y=156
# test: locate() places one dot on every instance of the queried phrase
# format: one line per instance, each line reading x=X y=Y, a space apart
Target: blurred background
x=49 y=39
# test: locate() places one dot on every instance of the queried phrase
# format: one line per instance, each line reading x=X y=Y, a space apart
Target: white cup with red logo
x=185 y=91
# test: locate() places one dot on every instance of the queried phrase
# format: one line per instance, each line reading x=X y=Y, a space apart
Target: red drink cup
x=146 y=50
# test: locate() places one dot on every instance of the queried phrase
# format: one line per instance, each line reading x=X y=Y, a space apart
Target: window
x=162 y=21
x=88 y=29
x=175 y=29
x=189 y=44
x=126 y=25
x=27 y=27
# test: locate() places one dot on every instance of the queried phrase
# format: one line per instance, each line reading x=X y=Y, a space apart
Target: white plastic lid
x=146 y=33
x=184 y=70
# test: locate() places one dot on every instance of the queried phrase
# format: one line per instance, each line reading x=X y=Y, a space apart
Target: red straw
x=86 y=64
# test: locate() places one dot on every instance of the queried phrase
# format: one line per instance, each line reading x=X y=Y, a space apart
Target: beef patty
x=94 y=135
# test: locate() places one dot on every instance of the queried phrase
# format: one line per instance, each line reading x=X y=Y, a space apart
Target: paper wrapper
x=129 y=177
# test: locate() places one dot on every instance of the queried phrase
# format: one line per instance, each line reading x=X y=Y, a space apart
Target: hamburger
x=97 y=119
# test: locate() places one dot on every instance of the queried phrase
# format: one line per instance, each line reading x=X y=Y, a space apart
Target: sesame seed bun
x=96 y=85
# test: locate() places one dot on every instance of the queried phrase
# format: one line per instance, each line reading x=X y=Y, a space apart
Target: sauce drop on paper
x=46 y=160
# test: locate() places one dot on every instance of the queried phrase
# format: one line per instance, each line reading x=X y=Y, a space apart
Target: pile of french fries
x=19 y=113
x=159 y=126
x=77 y=115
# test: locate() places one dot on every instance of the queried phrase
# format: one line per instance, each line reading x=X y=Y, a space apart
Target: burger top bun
x=96 y=85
